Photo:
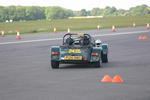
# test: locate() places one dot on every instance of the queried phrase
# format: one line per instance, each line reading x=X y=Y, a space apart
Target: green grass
x=75 y=24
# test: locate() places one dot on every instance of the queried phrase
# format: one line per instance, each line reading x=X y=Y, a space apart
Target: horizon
x=68 y=4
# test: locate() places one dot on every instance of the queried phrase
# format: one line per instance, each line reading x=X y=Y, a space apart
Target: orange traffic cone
x=147 y=26
x=55 y=29
x=68 y=30
x=118 y=79
x=140 y=37
x=113 y=29
x=134 y=25
x=18 y=35
x=98 y=27
x=106 y=78
x=2 y=33
x=145 y=37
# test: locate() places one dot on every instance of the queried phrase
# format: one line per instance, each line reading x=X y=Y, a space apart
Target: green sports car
x=79 y=48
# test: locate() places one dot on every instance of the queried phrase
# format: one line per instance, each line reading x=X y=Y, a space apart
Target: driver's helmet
x=98 y=43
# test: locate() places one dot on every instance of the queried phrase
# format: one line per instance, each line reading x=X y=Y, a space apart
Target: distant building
x=10 y=20
x=7 y=21
x=80 y=17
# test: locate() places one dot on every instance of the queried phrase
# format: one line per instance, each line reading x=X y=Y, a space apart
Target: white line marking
x=40 y=40
x=123 y=33
x=28 y=41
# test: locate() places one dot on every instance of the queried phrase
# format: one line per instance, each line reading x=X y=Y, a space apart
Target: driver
x=69 y=41
x=98 y=43
x=86 y=40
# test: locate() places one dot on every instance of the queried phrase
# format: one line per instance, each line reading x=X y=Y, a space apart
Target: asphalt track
x=25 y=73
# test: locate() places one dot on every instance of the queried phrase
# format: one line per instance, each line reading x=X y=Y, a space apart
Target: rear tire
x=104 y=58
x=98 y=64
x=55 y=64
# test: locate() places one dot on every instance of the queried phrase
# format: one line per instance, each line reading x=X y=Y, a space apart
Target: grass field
x=75 y=24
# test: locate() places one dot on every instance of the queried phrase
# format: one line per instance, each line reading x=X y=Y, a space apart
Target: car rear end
x=75 y=54
x=76 y=49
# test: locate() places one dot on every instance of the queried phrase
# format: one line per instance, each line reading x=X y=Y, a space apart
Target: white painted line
x=28 y=41
x=40 y=40
x=123 y=33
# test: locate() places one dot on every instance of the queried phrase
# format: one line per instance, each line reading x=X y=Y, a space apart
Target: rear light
x=95 y=54
x=54 y=53
x=85 y=59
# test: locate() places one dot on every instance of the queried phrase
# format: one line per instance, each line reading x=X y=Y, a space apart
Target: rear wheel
x=104 y=58
x=98 y=64
x=55 y=64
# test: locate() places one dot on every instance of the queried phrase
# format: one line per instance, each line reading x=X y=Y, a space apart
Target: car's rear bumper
x=75 y=62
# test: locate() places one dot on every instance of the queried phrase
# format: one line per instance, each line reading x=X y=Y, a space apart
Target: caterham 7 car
x=79 y=48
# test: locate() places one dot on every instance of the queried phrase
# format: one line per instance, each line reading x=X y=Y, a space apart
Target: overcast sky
x=77 y=4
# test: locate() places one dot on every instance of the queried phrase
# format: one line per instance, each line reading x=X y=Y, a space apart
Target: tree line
x=18 y=13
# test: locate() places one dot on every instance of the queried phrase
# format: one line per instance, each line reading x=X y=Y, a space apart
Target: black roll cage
x=75 y=34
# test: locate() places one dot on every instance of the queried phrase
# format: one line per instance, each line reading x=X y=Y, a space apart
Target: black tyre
x=98 y=64
x=104 y=58
x=55 y=64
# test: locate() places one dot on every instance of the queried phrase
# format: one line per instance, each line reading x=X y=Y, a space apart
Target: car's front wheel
x=55 y=64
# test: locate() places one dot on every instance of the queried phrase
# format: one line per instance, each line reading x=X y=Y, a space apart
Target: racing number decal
x=74 y=51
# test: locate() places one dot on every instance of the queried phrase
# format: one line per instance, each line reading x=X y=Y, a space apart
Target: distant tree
x=96 y=12
x=20 y=13
x=76 y=13
x=121 y=12
x=57 y=13
x=2 y=14
x=33 y=13
x=139 y=10
x=109 y=11
x=89 y=13
x=68 y=13
x=10 y=12
x=83 y=12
